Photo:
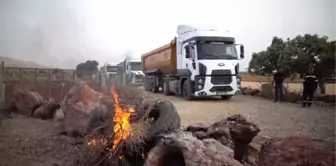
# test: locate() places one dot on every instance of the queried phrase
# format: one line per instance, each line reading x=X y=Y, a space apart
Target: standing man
x=278 y=79
x=310 y=84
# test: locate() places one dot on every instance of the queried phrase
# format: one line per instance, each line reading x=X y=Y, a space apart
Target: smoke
x=46 y=32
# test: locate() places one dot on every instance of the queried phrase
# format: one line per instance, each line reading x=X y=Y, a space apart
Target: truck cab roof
x=186 y=32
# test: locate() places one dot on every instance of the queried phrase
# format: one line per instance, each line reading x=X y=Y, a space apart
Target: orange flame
x=122 y=127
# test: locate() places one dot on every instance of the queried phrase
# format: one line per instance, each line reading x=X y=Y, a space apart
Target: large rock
x=234 y=131
x=47 y=110
x=27 y=101
x=82 y=107
x=294 y=151
x=182 y=148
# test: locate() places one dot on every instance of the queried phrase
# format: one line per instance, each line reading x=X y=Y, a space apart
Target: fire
x=92 y=142
x=122 y=127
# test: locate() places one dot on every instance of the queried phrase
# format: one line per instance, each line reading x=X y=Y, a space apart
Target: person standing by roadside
x=278 y=79
x=310 y=84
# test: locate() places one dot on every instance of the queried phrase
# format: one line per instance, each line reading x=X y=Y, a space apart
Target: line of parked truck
x=198 y=62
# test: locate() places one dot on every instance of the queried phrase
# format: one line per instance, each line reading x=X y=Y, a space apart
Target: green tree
x=307 y=51
x=265 y=62
x=88 y=67
x=295 y=56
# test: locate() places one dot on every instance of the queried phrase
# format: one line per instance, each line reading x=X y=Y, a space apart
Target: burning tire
x=165 y=118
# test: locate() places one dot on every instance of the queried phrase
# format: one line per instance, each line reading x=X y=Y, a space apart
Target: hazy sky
x=63 y=33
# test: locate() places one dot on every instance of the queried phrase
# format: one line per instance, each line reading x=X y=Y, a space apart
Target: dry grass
x=100 y=151
x=292 y=87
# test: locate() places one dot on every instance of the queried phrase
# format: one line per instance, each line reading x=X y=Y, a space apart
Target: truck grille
x=221 y=89
x=221 y=77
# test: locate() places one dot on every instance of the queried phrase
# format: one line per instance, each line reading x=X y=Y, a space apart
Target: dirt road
x=35 y=142
x=274 y=119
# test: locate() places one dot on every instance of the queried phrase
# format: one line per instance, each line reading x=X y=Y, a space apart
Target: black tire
x=186 y=91
x=226 y=97
x=165 y=118
x=153 y=87
x=147 y=87
x=166 y=88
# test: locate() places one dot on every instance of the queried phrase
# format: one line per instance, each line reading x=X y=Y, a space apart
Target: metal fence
x=50 y=83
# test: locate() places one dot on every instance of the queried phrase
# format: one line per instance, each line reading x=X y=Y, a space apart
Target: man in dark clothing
x=309 y=86
x=278 y=79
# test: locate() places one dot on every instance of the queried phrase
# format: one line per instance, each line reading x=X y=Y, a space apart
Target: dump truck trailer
x=196 y=63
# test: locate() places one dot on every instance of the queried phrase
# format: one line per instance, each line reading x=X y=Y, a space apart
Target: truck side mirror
x=242 y=52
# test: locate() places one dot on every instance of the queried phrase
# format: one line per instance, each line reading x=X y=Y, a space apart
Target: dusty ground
x=33 y=142
x=274 y=119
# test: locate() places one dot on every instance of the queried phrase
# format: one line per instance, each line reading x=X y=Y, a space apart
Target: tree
x=90 y=66
x=265 y=62
x=307 y=51
x=296 y=56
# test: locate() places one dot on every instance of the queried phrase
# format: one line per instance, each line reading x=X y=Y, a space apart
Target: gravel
x=274 y=119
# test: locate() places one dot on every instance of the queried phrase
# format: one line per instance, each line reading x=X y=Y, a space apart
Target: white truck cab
x=211 y=58
x=131 y=72
x=109 y=70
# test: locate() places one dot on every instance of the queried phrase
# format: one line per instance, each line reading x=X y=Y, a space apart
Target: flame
x=122 y=127
x=92 y=142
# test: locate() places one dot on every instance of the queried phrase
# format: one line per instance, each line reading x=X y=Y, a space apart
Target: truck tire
x=166 y=88
x=165 y=118
x=153 y=87
x=226 y=97
x=186 y=91
x=147 y=87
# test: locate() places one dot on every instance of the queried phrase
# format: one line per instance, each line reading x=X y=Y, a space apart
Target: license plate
x=221 y=93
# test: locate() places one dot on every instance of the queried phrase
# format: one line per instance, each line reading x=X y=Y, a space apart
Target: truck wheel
x=166 y=87
x=226 y=97
x=147 y=87
x=165 y=118
x=154 y=89
x=186 y=91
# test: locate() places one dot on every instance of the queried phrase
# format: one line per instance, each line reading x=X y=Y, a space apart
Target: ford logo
x=221 y=64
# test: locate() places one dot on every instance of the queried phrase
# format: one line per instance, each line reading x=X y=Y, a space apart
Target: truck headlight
x=200 y=87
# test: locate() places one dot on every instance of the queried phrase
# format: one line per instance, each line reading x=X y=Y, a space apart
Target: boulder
x=234 y=132
x=47 y=110
x=27 y=101
x=82 y=107
x=182 y=148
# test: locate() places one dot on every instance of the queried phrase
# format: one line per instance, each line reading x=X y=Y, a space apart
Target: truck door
x=190 y=59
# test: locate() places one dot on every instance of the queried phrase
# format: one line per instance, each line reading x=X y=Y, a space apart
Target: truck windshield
x=216 y=50
x=111 y=68
x=135 y=65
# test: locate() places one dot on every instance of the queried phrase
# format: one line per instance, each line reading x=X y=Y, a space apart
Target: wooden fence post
x=2 y=84
x=20 y=78
x=35 y=79
x=49 y=83
x=62 y=84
